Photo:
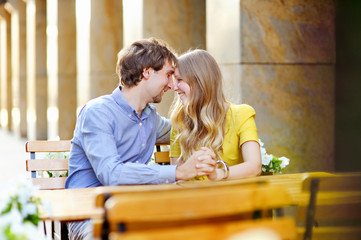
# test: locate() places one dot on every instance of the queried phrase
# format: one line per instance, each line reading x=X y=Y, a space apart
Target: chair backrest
x=161 y=154
x=209 y=212
x=334 y=208
x=51 y=160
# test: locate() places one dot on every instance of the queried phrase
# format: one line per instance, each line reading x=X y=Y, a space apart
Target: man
x=115 y=134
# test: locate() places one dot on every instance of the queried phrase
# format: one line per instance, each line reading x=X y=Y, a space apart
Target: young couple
x=115 y=134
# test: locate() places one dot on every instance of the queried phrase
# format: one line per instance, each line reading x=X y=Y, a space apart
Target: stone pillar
x=36 y=69
x=12 y=8
x=100 y=37
x=284 y=68
x=6 y=79
x=106 y=39
x=3 y=94
x=181 y=24
x=22 y=68
x=61 y=69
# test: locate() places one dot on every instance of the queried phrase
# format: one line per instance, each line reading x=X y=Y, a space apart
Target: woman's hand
x=217 y=175
x=201 y=163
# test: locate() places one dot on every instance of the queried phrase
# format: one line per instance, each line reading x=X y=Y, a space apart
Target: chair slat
x=48 y=146
x=285 y=228
x=334 y=212
x=49 y=183
x=333 y=233
x=161 y=157
x=125 y=207
x=340 y=182
x=47 y=164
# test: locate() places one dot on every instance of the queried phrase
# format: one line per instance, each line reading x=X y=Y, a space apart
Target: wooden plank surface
x=48 y=146
x=80 y=204
x=283 y=228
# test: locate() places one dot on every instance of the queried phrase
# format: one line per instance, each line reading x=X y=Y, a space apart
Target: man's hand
x=201 y=163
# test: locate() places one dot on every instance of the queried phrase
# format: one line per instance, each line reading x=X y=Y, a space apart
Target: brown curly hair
x=142 y=54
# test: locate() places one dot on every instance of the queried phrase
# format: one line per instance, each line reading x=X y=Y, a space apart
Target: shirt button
x=136 y=161
x=129 y=115
x=166 y=181
x=140 y=124
x=143 y=144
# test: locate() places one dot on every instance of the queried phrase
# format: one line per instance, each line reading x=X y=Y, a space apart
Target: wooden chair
x=161 y=156
x=215 y=212
x=334 y=209
x=36 y=164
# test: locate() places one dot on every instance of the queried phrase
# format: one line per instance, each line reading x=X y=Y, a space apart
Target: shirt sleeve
x=175 y=150
x=163 y=129
x=247 y=130
x=101 y=149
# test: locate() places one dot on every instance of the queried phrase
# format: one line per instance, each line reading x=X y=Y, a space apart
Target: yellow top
x=240 y=127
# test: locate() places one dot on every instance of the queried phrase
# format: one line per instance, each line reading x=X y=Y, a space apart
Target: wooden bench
x=209 y=212
x=334 y=209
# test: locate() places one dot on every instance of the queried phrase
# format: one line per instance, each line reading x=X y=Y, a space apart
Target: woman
x=203 y=119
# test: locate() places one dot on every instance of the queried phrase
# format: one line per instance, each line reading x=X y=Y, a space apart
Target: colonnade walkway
x=12 y=157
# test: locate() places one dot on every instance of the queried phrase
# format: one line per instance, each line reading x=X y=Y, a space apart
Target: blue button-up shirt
x=112 y=145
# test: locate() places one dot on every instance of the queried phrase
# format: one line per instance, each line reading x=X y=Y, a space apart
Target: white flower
x=11 y=218
x=46 y=207
x=260 y=143
x=28 y=209
x=22 y=197
x=285 y=161
x=266 y=159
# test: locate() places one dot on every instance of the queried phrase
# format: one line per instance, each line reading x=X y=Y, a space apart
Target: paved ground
x=12 y=157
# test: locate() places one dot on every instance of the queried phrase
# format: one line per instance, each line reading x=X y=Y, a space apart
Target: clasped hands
x=202 y=163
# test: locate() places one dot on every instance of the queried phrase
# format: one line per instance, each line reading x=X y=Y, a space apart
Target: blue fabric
x=112 y=145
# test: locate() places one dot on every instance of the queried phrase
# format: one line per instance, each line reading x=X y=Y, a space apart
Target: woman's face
x=181 y=87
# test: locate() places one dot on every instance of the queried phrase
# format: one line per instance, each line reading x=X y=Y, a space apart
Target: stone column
x=22 y=68
x=284 y=68
x=36 y=69
x=6 y=79
x=106 y=39
x=61 y=69
x=100 y=37
x=12 y=8
x=3 y=83
x=181 y=23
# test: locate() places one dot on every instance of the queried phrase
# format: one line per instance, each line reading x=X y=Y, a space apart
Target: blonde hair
x=200 y=122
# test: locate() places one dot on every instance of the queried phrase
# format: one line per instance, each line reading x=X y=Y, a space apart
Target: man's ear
x=146 y=73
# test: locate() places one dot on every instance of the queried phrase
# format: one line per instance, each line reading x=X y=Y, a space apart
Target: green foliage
x=273 y=166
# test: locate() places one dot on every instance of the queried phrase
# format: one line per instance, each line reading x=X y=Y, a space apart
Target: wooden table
x=292 y=182
x=80 y=204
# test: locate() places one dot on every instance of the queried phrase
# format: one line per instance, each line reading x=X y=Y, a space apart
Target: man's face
x=161 y=81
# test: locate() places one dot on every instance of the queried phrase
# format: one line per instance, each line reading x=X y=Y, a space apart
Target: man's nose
x=172 y=84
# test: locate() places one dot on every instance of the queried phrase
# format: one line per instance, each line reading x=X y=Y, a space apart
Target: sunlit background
x=228 y=33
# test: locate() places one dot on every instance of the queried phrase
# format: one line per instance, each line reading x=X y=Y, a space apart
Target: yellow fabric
x=240 y=127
